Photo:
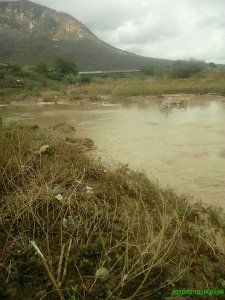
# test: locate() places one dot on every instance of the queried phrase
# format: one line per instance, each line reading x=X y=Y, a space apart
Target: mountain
x=31 y=33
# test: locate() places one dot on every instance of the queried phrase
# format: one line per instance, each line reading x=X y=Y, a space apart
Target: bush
x=148 y=70
x=75 y=95
x=212 y=65
x=42 y=68
x=32 y=86
x=24 y=74
x=69 y=79
x=54 y=75
x=185 y=69
x=119 y=76
x=15 y=69
x=2 y=74
x=160 y=72
x=64 y=67
x=84 y=79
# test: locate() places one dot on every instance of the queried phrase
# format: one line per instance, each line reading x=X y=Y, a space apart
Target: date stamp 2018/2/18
x=189 y=292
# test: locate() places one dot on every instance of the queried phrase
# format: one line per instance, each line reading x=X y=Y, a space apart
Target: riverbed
x=181 y=146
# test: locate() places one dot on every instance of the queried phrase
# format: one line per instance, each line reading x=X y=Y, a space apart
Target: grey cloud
x=217 y=21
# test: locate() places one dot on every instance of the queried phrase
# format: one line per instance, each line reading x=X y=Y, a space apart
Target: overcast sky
x=174 y=29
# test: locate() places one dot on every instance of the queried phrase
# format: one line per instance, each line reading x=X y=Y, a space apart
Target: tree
x=187 y=68
x=212 y=65
x=64 y=67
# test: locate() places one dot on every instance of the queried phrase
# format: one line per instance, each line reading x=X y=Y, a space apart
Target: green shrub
x=160 y=71
x=148 y=70
x=54 y=75
x=2 y=74
x=69 y=79
x=15 y=69
x=32 y=86
x=119 y=76
x=76 y=95
x=64 y=67
x=55 y=85
x=24 y=74
x=185 y=69
x=84 y=78
x=42 y=68
x=212 y=65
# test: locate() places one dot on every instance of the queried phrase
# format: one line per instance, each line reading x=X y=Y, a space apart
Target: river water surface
x=182 y=147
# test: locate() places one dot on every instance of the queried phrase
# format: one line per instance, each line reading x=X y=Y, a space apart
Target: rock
x=88 y=143
x=171 y=103
x=102 y=273
x=34 y=127
x=57 y=190
x=63 y=128
x=46 y=150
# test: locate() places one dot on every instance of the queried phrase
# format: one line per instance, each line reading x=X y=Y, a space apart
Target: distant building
x=4 y=66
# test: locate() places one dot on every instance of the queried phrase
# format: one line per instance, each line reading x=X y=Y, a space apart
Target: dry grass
x=212 y=81
x=118 y=220
x=118 y=89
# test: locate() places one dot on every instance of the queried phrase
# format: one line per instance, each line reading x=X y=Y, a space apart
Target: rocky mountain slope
x=31 y=33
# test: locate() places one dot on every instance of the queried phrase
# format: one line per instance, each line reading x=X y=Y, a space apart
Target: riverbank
x=102 y=233
x=115 y=89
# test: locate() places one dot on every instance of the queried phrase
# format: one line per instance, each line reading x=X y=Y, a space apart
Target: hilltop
x=31 y=33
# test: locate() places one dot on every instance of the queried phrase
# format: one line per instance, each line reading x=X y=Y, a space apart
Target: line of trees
x=179 y=69
x=61 y=70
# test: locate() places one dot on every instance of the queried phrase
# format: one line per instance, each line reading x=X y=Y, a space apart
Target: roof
x=3 y=65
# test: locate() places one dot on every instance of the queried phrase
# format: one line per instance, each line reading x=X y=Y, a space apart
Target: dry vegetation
x=210 y=81
x=115 y=88
x=70 y=228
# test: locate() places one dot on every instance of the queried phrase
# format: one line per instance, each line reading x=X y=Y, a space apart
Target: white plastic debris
x=59 y=197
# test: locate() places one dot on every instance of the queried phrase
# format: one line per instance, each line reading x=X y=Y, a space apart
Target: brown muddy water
x=182 y=147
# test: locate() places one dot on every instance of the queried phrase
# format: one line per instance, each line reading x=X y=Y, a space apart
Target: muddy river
x=182 y=147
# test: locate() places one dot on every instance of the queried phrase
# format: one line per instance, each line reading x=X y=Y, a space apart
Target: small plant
x=222 y=282
x=76 y=95
x=102 y=241
x=202 y=260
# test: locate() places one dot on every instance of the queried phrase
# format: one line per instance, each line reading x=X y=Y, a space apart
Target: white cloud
x=156 y=28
